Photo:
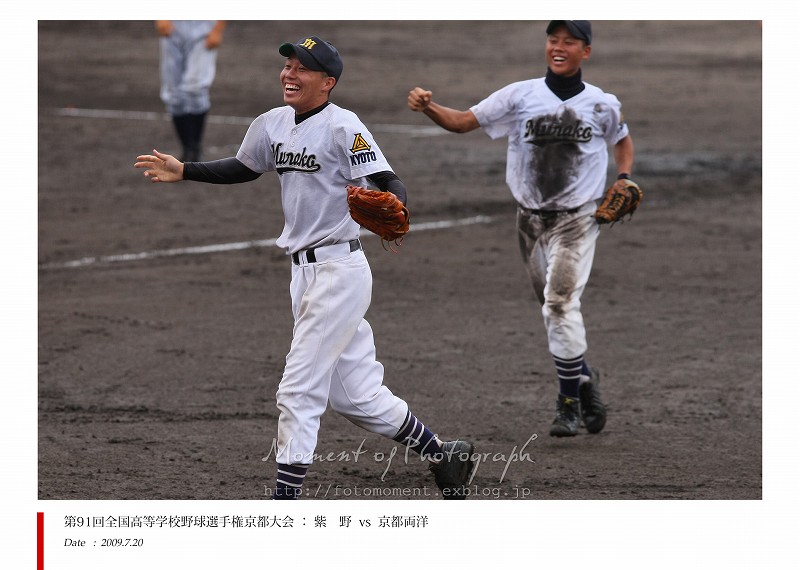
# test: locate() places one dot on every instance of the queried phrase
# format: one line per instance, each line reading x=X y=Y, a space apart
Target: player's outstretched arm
x=453 y=120
x=160 y=167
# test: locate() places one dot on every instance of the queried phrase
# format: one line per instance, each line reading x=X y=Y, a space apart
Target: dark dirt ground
x=157 y=376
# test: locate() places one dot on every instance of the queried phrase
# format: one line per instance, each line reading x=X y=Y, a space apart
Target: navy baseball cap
x=581 y=29
x=315 y=54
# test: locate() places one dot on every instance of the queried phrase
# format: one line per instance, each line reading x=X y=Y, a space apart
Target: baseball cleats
x=593 y=411
x=453 y=471
x=568 y=417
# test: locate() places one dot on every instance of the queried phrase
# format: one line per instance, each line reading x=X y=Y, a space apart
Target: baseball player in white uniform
x=317 y=149
x=188 y=66
x=558 y=129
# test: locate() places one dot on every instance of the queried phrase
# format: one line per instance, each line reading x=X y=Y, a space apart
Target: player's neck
x=564 y=87
x=300 y=117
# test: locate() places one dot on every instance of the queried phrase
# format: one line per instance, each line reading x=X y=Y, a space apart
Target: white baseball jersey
x=316 y=160
x=557 y=150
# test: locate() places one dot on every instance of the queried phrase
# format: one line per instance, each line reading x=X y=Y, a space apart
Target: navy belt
x=325 y=252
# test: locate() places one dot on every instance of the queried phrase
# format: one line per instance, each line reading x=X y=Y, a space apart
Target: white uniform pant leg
x=171 y=68
x=357 y=390
x=201 y=67
x=559 y=254
x=329 y=300
x=187 y=69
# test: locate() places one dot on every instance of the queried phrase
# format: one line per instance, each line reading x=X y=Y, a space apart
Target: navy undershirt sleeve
x=389 y=182
x=232 y=171
x=224 y=171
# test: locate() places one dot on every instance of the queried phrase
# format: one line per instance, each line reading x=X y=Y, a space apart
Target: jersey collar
x=303 y=116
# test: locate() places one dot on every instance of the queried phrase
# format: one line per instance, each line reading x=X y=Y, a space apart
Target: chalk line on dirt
x=234 y=246
x=410 y=130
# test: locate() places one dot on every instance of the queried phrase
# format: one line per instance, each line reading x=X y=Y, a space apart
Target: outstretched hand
x=160 y=167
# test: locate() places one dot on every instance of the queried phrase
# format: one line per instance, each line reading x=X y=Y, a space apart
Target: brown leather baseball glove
x=621 y=199
x=382 y=213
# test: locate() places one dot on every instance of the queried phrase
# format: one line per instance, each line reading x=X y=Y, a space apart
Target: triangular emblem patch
x=359 y=144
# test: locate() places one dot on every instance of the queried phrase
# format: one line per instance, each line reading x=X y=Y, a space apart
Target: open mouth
x=291 y=88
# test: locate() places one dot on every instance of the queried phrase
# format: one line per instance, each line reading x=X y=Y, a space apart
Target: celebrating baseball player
x=558 y=129
x=325 y=156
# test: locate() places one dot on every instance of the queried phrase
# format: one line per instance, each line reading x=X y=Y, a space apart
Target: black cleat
x=453 y=471
x=593 y=411
x=568 y=417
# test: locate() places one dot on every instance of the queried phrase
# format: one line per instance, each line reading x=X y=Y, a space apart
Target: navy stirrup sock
x=289 y=481
x=569 y=372
x=417 y=437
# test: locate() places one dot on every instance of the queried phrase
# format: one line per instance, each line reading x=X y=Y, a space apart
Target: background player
x=188 y=66
x=558 y=129
x=317 y=149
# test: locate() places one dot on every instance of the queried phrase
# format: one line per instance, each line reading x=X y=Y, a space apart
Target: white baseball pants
x=558 y=254
x=332 y=356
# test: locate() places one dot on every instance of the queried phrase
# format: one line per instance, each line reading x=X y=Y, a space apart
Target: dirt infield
x=158 y=372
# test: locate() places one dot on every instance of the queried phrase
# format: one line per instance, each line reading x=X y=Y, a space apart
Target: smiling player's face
x=565 y=52
x=304 y=89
